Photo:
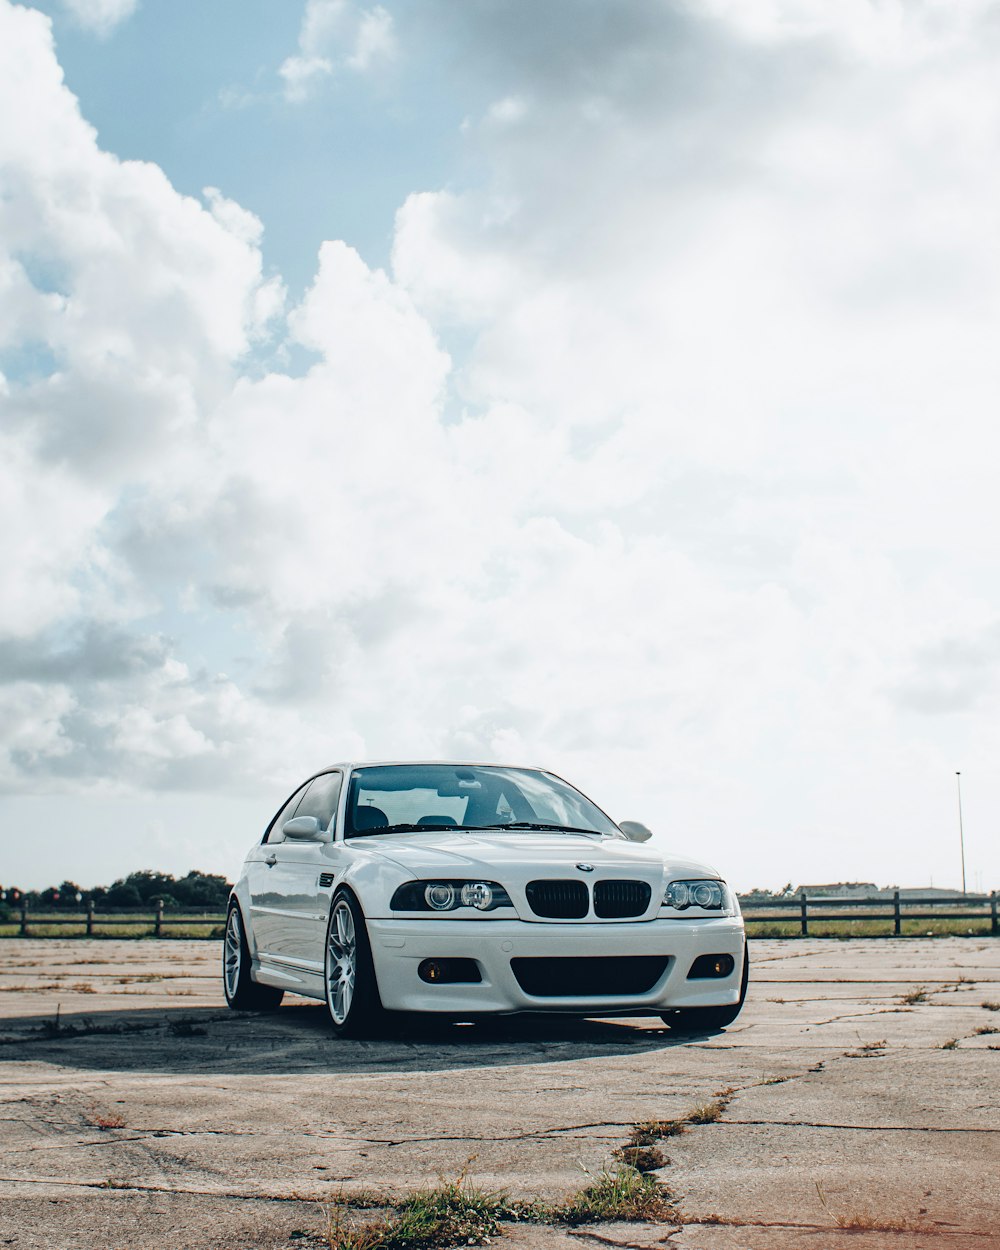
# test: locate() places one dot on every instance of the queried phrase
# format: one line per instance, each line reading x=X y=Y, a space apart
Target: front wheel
x=242 y=991
x=352 y=996
x=709 y=1019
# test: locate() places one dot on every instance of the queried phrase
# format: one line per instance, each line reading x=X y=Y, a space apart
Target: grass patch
x=974 y=926
x=648 y=1132
x=620 y=1194
x=642 y=1158
x=106 y=1119
x=457 y=1213
x=985 y=1030
x=708 y=1112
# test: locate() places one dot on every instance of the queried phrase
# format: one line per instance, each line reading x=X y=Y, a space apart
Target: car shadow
x=297 y=1038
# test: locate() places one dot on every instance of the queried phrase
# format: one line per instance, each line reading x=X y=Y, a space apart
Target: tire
x=709 y=1019
x=352 y=997
x=241 y=990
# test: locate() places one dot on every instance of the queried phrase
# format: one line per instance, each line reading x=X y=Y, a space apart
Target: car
x=471 y=890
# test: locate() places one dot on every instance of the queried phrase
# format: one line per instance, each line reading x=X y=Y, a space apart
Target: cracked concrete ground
x=864 y=1107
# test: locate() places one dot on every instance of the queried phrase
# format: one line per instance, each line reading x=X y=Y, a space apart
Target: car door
x=265 y=897
x=298 y=895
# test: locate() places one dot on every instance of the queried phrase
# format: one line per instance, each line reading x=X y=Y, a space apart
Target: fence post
x=896 y=925
x=90 y=917
x=24 y=920
x=804 y=914
x=994 y=919
x=159 y=918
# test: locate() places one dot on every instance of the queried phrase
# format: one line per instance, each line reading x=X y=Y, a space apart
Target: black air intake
x=621 y=899
x=558 y=900
x=601 y=976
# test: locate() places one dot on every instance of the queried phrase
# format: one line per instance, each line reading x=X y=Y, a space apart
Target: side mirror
x=303 y=829
x=632 y=829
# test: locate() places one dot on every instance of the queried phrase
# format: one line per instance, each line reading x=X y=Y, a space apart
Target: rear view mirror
x=633 y=830
x=302 y=829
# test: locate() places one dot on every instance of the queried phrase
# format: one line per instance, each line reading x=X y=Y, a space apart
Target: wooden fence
x=826 y=909
x=92 y=919
x=800 y=910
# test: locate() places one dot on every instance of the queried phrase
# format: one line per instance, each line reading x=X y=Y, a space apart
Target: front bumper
x=399 y=946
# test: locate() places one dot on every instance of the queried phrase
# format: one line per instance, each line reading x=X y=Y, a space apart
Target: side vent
x=325 y=879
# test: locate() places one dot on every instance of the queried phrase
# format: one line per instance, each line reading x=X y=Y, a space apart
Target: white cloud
x=375 y=40
x=101 y=16
x=334 y=33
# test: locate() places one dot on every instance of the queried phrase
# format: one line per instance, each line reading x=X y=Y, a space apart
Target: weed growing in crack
x=454 y=1213
x=105 y=1120
x=919 y=995
x=950 y=1044
x=867 y=1050
x=620 y=1194
x=642 y=1158
x=457 y=1213
x=864 y=1220
x=990 y=1006
x=707 y=1113
x=650 y=1131
x=985 y=1029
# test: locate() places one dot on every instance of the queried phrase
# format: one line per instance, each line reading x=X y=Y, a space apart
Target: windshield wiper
x=405 y=828
x=538 y=824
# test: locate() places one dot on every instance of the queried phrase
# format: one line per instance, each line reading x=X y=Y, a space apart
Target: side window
x=321 y=798
x=273 y=833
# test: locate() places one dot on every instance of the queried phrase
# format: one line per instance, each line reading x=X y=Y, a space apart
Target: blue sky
x=613 y=391
x=195 y=88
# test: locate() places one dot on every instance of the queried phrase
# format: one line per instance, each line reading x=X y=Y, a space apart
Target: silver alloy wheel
x=341 y=962
x=234 y=952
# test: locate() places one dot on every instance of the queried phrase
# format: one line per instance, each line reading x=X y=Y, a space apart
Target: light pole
x=961 y=832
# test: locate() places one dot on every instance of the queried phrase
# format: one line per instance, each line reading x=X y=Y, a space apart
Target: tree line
x=139 y=891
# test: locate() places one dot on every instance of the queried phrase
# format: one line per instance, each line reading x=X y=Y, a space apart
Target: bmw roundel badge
x=586 y=867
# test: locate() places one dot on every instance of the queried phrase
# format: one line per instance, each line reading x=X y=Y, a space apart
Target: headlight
x=707 y=895
x=449 y=895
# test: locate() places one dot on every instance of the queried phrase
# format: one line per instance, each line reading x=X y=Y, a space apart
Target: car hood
x=486 y=854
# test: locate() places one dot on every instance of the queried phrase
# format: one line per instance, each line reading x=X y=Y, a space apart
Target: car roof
x=352 y=764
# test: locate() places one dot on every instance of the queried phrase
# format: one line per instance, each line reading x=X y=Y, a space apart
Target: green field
x=974 y=926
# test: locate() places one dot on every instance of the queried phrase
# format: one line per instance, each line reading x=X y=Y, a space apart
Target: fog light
x=449 y=971
x=707 y=967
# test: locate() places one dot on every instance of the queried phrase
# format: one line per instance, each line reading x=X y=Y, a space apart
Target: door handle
x=271 y=860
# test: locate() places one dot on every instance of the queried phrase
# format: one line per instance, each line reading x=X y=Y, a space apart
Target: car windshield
x=414 y=798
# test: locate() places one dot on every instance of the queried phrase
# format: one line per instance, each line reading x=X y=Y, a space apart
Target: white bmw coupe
x=469 y=889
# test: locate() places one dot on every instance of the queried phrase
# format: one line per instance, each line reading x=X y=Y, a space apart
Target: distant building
x=840 y=889
x=869 y=890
